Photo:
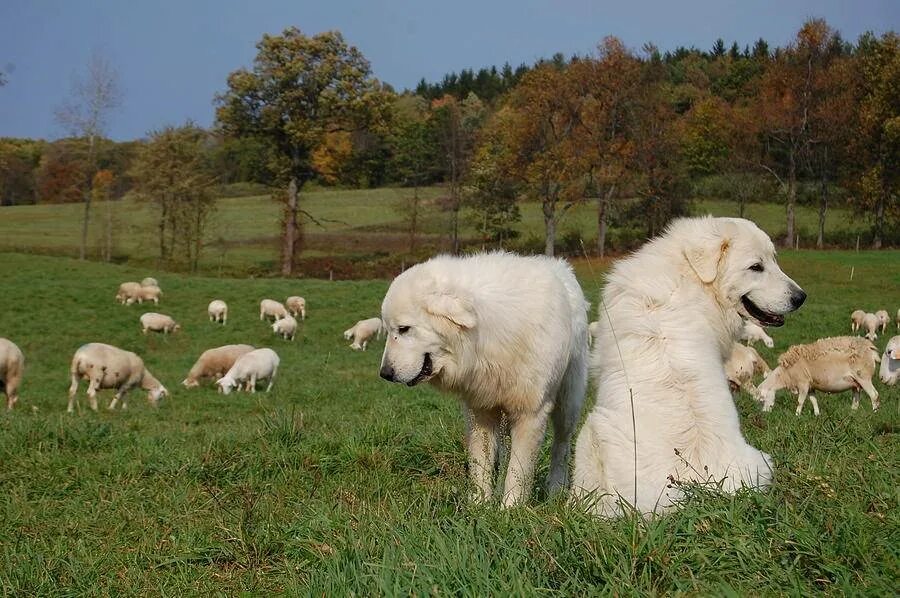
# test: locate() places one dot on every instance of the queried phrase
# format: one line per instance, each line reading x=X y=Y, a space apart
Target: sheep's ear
x=454 y=308
x=704 y=256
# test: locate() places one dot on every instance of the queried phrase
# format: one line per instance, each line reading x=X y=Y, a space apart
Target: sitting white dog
x=664 y=413
x=468 y=326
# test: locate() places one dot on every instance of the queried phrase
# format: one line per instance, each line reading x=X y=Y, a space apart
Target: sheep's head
x=226 y=384
x=190 y=383
x=155 y=395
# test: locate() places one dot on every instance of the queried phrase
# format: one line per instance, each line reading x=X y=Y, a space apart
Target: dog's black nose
x=387 y=372
x=797 y=298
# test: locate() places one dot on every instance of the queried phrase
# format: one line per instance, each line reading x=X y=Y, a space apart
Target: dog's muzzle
x=425 y=372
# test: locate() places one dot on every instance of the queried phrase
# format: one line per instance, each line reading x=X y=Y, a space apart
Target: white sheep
x=593 y=329
x=12 y=366
x=214 y=363
x=105 y=366
x=883 y=319
x=890 y=362
x=752 y=332
x=856 y=319
x=218 y=311
x=742 y=365
x=297 y=306
x=285 y=327
x=898 y=319
x=830 y=365
x=269 y=308
x=870 y=323
x=250 y=368
x=129 y=293
x=155 y=322
x=149 y=282
x=150 y=293
x=362 y=332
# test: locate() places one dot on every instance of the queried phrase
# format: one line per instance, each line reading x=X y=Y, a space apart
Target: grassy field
x=243 y=235
x=337 y=483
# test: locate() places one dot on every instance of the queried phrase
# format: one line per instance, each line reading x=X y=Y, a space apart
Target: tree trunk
x=87 y=200
x=823 y=208
x=550 y=227
x=879 y=222
x=602 y=205
x=791 y=199
x=289 y=235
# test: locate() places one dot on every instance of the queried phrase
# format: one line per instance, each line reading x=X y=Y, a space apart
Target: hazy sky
x=173 y=56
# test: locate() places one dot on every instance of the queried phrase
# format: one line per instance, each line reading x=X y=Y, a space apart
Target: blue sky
x=174 y=56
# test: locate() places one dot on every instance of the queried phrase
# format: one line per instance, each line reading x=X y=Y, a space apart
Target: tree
x=85 y=114
x=172 y=171
x=300 y=91
x=101 y=191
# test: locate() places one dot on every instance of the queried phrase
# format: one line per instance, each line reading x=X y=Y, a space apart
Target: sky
x=172 y=57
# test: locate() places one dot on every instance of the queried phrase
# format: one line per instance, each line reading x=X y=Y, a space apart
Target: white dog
x=468 y=325
x=668 y=318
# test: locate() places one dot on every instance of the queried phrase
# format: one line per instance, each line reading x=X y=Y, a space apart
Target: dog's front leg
x=484 y=430
x=526 y=435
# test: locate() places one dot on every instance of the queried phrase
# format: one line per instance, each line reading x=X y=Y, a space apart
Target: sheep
x=362 y=332
x=269 y=308
x=105 y=366
x=593 y=329
x=742 y=365
x=898 y=319
x=870 y=323
x=218 y=311
x=149 y=282
x=12 y=366
x=129 y=292
x=890 y=362
x=297 y=306
x=856 y=319
x=214 y=363
x=285 y=327
x=752 y=332
x=883 y=319
x=259 y=364
x=150 y=293
x=830 y=365
x=158 y=323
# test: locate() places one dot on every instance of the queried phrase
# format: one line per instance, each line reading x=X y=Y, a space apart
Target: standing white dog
x=669 y=316
x=468 y=325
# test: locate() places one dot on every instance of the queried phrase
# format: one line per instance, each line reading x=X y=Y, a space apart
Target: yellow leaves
x=334 y=151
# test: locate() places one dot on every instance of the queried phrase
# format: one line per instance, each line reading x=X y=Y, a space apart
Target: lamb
x=150 y=293
x=890 y=362
x=752 y=332
x=362 y=332
x=259 y=364
x=883 y=318
x=214 y=363
x=105 y=366
x=12 y=366
x=158 y=323
x=269 y=308
x=856 y=319
x=297 y=306
x=129 y=292
x=149 y=282
x=742 y=365
x=870 y=323
x=831 y=364
x=218 y=311
x=285 y=327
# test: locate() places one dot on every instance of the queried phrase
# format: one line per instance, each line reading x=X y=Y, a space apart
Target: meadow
x=338 y=483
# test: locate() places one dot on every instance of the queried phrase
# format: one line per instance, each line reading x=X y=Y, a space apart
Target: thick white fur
x=218 y=311
x=250 y=368
x=752 y=332
x=890 y=362
x=668 y=318
x=12 y=365
x=363 y=331
x=475 y=318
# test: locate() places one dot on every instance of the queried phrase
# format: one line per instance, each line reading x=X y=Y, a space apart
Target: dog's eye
x=757 y=267
x=403 y=329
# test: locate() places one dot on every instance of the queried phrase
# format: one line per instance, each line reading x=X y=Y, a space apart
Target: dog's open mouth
x=763 y=317
x=424 y=373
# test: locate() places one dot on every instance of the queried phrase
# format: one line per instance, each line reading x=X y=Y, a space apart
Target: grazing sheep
x=890 y=362
x=742 y=365
x=752 y=332
x=12 y=366
x=593 y=329
x=297 y=306
x=129 y=293
x=830 y=365
x=285 y=327
x=870 y=323
x=149 y=282
x=158 y=323
x=218 y=311
x=214 y=363
x=150 y=293
x=269 y=308
x=105 y=366
x=883 y=319
x=362 y=332
x=259 y=364
x=856 y=319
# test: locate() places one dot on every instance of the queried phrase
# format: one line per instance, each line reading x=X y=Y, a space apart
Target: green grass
x=337 y=482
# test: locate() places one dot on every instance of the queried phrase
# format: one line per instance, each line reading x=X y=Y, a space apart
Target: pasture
x=338 y=483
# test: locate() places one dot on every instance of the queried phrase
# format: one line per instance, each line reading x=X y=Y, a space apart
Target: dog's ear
x=454 y=308
x=704 y=256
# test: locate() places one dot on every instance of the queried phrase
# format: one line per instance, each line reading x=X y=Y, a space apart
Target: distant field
x=338 y=483
x=365 y=224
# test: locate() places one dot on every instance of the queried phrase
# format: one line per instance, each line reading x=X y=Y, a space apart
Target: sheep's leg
x=855 y=404
x=870 y=390
x=92 y=393
x=73 y=388
x=801 y=398
x=815 y=404
x=365 y=344
x=252 y=383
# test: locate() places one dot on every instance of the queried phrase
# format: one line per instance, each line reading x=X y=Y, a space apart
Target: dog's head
x=738 y=260
x=424 y=317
